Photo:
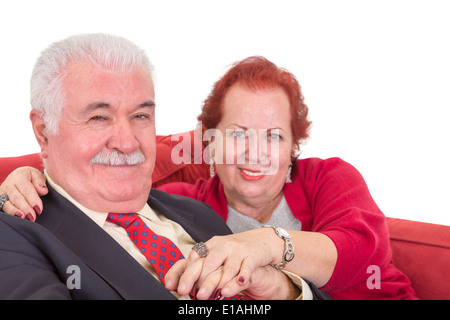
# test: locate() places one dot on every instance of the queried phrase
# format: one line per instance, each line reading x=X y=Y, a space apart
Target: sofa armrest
x=422 y=251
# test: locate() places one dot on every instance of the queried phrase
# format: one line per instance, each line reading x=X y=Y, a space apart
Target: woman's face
x=254 y=158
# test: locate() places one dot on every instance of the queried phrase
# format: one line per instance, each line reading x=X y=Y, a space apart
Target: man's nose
x=123 y=137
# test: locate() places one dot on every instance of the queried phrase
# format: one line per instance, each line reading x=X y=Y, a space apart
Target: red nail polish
x=241 y=280
x=37 y=210
x=29 y=217
x=217 y=294
x=18 y=214
x=195 y=294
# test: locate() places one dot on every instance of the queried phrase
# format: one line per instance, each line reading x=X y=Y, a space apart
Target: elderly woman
x=314 y=218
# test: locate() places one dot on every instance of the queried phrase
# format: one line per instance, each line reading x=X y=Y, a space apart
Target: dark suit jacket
x=35 y=257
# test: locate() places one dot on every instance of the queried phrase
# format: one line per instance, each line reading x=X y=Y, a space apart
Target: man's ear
x=40 y=131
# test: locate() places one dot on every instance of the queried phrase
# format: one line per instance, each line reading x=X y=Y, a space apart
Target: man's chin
x=128 y=192
x=121 y=204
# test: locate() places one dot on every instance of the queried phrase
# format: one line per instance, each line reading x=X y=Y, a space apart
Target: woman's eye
x=238 y=133
x=274 y=136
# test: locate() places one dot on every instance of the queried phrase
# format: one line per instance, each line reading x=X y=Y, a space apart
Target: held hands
x=235 y=263
x=23 y=187
x=265 y=283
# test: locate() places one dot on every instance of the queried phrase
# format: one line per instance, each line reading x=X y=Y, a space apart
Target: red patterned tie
x=160 y=251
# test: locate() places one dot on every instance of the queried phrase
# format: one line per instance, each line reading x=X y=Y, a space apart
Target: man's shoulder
x=21 y=240
x=9 y=229
x=16 y=228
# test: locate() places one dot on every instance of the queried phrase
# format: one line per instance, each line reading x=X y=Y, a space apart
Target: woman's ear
x=40 y=131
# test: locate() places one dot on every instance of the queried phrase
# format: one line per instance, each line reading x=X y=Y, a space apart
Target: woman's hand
x=23 y=187
x=265 y=283
x=237 y=256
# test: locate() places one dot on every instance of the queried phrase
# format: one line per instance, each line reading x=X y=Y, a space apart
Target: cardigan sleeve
x=183 y=188
x=343 y=209
x=209 y=191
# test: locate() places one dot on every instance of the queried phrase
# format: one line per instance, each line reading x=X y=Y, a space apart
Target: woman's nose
x=258 y=149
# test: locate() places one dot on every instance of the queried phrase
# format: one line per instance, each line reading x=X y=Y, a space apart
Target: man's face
x=105 y=113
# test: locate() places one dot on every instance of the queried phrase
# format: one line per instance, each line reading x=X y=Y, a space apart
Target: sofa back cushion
x=7 y=165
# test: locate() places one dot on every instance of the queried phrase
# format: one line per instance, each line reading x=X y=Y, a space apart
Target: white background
x=375 y=75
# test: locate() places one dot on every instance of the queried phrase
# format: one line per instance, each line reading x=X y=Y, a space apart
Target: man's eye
x=98 y=118
x=141 y=116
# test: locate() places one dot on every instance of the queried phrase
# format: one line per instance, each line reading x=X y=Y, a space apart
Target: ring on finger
x=201 y=249
x=3 y=199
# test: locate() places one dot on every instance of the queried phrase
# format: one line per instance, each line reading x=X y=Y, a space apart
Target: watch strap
x=288 y=253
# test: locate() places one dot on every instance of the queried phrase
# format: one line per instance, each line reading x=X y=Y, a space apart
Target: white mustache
x=116 y=158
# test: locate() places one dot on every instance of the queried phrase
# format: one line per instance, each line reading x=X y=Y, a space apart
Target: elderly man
x=103 y=234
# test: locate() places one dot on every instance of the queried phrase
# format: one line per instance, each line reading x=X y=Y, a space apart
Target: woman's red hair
x=258 y=73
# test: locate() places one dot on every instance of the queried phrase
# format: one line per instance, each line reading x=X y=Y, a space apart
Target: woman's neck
x=260 y=210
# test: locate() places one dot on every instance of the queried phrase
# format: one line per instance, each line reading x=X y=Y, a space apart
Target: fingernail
x=29 y=217
x=217 y=294
x=37 y=210
x=18 y=214
x=241 y=280
x=195 y=294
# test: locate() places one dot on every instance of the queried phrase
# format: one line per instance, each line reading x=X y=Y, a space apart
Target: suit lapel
x=98 y=250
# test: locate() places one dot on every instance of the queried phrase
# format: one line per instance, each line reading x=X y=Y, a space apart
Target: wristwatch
x=288 y=254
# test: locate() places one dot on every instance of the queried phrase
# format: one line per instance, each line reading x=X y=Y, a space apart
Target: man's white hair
x=105 y=51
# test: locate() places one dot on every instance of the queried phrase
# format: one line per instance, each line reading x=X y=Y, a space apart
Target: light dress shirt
x=160 y=225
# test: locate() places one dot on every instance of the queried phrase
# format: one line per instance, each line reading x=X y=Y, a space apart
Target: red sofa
x=420 y=250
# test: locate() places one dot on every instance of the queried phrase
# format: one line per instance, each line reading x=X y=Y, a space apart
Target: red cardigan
x=331 y=197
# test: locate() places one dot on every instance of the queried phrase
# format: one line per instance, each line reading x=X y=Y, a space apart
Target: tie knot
x=122 y=219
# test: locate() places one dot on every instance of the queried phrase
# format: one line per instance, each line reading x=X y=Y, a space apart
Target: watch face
x=283 y=233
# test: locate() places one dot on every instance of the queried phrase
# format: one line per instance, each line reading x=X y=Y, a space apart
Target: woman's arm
x=23 y=187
